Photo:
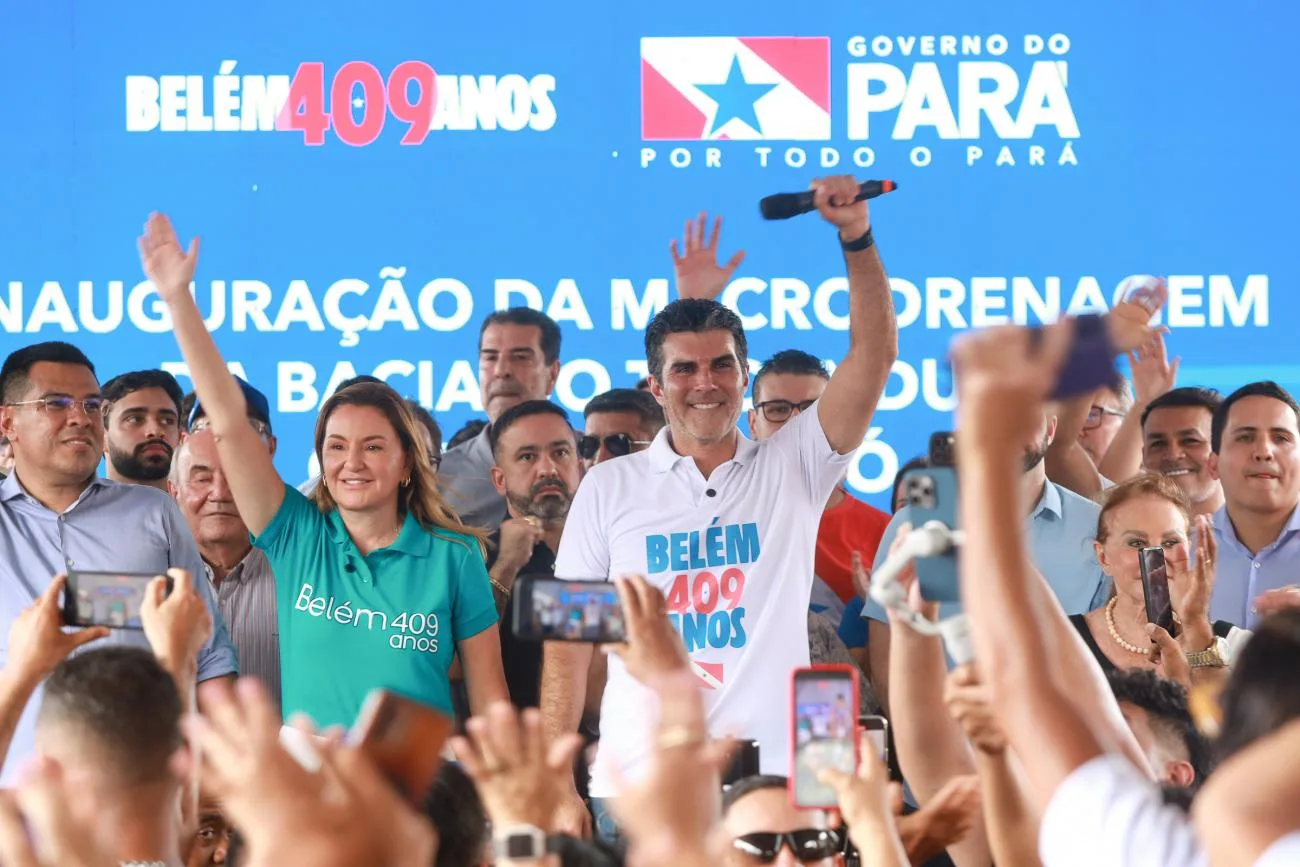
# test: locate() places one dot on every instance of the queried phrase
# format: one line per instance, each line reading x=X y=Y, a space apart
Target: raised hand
x=1129 y=322
x=1153 y=372
x=945 y=820
x=697 y=270
x=522 y=778
x=1191 y=579
x=865 y=805
x=969 y=704
x=37 y=642
x=168 y=267
x=37 y=829
x=176 y=624
x=653 y=648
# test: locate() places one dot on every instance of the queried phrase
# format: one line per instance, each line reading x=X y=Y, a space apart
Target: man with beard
x=518 y=360
x=1061 y=526
x=142 y=426
x=537 y=470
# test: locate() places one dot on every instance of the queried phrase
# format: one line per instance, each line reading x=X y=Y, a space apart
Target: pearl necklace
x=1114 y=633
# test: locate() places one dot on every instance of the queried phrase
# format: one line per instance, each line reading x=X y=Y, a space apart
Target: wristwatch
x=522 y=843
x=1214 y=656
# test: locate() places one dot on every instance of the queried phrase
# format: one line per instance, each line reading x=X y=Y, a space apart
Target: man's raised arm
x=851 y=396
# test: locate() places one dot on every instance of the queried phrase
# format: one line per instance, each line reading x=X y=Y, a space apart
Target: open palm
x=697 y=270
x=167 y=266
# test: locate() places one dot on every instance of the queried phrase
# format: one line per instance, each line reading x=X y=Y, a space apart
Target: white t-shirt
x=1284 y=853
x=733 y=555
x=1108 y=813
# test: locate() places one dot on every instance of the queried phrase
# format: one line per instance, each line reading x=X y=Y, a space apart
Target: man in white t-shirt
x=726 y=527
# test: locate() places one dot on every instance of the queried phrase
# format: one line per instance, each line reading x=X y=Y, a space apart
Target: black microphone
x=783 y=206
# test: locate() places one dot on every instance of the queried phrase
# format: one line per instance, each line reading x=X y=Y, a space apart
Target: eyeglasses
x=807 y=845
x=202 y=423
x=777 y=411
x=618 y=444
x=62 y=405
x=1097 y=413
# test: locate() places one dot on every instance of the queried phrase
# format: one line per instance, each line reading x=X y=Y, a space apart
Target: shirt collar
x=412 y=539
x=1223 y=524
x=663 y=457
x=1050 y=501
x=11 y=488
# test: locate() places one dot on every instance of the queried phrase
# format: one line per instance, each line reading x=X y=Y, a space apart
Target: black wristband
x=858 y=244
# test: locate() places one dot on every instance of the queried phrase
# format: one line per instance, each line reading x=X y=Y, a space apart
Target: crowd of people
x=1074 y=732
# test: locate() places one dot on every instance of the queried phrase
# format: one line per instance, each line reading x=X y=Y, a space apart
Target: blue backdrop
x=1043 y=153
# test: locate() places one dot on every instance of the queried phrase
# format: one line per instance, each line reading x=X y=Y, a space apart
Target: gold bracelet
x=499 y=586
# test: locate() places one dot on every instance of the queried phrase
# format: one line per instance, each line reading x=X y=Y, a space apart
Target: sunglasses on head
x=806 y=844
x=618 y=444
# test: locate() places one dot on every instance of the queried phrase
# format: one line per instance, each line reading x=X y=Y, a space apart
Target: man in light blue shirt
x=1255 y=440
x=1061 y=527
x=57 y=516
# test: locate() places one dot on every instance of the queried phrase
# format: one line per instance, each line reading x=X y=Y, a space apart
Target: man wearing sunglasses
x=619 y=422
x=765 y=829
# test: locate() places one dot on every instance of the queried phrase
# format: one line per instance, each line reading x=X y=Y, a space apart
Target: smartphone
x=111 y=599
x=941 y=450
x=1155 y=588
x=931 y=495
x=405 y=740
x=877 y=727
x=549 y=609
x=824 y=705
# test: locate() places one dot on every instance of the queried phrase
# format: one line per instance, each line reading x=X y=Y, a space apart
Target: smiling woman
x=378 y=582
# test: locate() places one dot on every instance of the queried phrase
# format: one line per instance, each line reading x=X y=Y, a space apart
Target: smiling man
x=142 y=422
x=1254 y=440
x=1176 y=430
x=56 y=515
x=724 y=526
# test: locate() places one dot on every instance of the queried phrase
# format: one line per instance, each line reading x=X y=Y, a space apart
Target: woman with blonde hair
x=378 y=583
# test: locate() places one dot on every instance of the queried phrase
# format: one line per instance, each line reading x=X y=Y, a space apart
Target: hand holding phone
x=824 y=736
x=931 y=494
x=1155 y=588
x=111 y=599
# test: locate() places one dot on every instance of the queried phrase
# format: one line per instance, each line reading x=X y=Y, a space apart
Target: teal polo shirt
x=351 y=623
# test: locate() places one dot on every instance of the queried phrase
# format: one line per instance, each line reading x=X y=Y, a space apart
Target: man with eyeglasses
x=786 y=385
x=57 y=516
x=1106 y=413
x=619 y=422
x=142 y=426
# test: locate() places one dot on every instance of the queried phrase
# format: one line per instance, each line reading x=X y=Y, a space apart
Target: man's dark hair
x=123 y=701
x=691 y=316
x=643 y=384
x=1165 y=703
x=363 y=377
x=467 y=432
x=1191 y=395
x=127 y=383
x=916 y=463
x=519 y=412
x=550 y=332
x=647 y=409
x=13 y=375
x=426 y=420
x=1264 y=388
x=756 y=783
x=791 y=361
x=454 y=807
x=1263 y=693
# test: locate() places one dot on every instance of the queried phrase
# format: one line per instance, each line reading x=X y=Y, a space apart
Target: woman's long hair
x=421 y=497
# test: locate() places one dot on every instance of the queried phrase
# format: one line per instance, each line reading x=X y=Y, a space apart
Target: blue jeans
x=603 y=823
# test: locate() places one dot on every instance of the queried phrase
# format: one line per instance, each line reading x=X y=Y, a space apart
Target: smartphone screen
x=1155 y=588
x=548 y=609
x=111 y=599
x=877 y=728
x=825 y=732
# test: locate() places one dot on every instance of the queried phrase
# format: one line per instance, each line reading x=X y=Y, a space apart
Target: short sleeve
x=217 y=657
x=296 y=520
x=1105 y=812
x=473 y=608
x=853 y=629
x=821 y=467
x=871 y=609
x=584 y=545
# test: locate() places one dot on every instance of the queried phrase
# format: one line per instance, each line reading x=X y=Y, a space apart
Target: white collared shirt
x=733 y=555
x=1108 y=813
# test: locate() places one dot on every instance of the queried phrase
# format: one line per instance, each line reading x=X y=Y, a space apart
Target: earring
x=406 y=481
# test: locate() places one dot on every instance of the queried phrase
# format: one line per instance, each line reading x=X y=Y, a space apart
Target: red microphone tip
x=888 y=186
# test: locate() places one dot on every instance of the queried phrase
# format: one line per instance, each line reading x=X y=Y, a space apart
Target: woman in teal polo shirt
x=378 y=583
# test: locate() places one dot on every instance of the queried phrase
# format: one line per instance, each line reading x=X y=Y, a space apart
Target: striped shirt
x=246 y=597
